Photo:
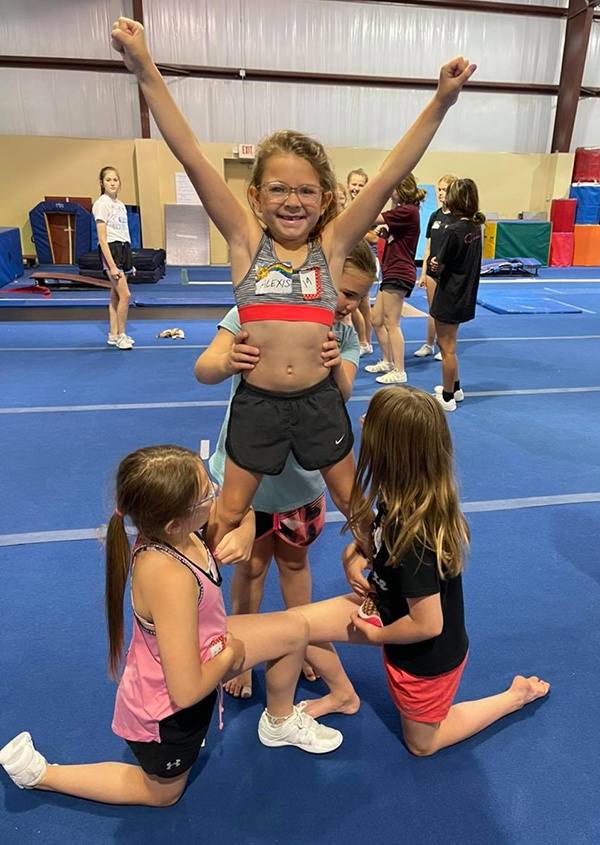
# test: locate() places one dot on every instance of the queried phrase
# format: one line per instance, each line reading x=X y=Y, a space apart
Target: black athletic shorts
x=398 y=284
x=265 y=426
x=121 y=253
x=181 y=736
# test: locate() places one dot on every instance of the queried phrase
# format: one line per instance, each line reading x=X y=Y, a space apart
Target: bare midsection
x=290 y=354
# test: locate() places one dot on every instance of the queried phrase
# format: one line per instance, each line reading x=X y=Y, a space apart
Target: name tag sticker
x=274 y=279
x=310 y=283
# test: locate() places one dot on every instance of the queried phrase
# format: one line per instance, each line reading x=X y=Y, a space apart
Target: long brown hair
x=289 y=141
x=154 y=485
x=362 y=259
x=462 y=200
x=406 y=463
x=409 y=192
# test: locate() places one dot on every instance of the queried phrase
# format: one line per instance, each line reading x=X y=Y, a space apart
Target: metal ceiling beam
x=577 y=36
x=476 y=6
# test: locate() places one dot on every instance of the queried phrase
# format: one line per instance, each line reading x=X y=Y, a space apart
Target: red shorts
x=423 y=699
x=299 y=527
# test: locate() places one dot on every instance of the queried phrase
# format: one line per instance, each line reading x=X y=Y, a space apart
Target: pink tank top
x=142 y=697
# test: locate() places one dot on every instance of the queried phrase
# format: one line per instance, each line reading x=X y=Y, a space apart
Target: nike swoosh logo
x=337 y=442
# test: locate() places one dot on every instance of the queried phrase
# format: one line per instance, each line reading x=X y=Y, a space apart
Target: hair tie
x=119 y=513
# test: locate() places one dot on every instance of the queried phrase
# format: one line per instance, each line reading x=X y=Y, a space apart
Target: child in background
x=438 y=221
x=361 y=318
x=182 y=647
x=400 y=227
x=290 y=507
x=285 y=267
x=114 y=246
x=412 y=602
x=342 y=196
x=458 y=262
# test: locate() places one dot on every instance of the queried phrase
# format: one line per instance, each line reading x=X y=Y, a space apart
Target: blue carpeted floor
x=528 y=454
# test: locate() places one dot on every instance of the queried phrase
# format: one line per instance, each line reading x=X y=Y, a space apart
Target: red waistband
x=287 y=313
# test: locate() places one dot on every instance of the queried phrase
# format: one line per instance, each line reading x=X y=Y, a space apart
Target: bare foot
x=240 y=686
x=317 y=707
x=308 y=672
x=528 y=689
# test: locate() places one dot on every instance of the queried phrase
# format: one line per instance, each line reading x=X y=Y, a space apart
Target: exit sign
x=246 y=150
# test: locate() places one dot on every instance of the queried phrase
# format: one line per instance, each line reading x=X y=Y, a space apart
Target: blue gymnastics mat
x=502 y=302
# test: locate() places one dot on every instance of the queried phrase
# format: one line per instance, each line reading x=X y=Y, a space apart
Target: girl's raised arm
x=233 y=220
x=348 y=227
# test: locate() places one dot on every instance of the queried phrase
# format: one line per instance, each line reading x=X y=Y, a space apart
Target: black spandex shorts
x=398 y=284
x=265 y=426
x=121 y=253
x=181 y=736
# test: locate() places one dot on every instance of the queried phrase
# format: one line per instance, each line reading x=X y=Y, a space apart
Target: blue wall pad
x=588 y=203
x=502 y=302
x=11 y=258
x=39 y=227
x=135 y=228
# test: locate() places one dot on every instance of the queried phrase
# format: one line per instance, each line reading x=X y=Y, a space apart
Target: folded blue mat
x=502 y=302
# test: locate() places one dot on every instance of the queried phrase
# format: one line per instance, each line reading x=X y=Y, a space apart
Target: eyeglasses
x=279 y=192
x=210 y=498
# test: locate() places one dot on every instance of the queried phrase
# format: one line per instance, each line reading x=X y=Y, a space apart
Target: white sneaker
x=393 y=377
x=458 y=394
x=124 y=342
x=22 y=762
x=113 y=339
x=366 y=349
x=301 y=730
x=380 y=367
x=437 y=356
x=424 y=351
x=130 y=339
x=447 y=406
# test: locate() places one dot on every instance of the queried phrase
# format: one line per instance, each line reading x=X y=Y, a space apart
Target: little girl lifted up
x=287 y=254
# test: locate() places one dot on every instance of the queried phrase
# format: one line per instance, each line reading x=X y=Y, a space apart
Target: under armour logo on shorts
x=175 y=763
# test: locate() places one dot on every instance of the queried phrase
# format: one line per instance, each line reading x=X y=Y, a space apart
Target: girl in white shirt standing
x=114 y=246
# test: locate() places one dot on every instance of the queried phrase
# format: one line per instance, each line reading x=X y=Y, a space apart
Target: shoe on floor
x=380 y=367
x=301 y=730
x=437 y=356
x=368 y=611
x=23 y=763
x=130 y=339
x=124 y=342
x=366 y=349
x=447 y=406
x=393 y=377
x=424 y=351
x=458 y=394
x=112 y=339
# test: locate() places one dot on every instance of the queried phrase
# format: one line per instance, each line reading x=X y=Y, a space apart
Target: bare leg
x=380 y=330
x=431 y=286
x=470 y=717
x=358 y=322
x=112 y=311
x=295 y=582
x=392 y=302
x=114 y=783
x=338 y=478
x=239 y=487
x=245 y=596
x=124 y=296
x=280 y=640
x=446 y=335
x=364 y=308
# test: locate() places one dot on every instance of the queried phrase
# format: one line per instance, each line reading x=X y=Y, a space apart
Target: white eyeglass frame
x=295 y=190
x=210 y=498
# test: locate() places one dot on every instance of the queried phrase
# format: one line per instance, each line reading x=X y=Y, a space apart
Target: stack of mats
x=149 y=264
x=587 y=164
x=586 y=250
x=562 y=243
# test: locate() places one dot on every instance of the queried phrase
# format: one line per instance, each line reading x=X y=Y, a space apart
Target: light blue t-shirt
x=295 y=486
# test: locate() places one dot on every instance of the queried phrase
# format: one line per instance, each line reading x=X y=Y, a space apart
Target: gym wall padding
x=562 y=246
x=586 y=167
x=588 y=203
x=39 y=227
x=11 y=256
x=587 y=246
x=562 y=215
x=489 y=239
x=529 y=238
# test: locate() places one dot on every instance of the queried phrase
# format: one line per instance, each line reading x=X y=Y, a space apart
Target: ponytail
x=118 y=555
